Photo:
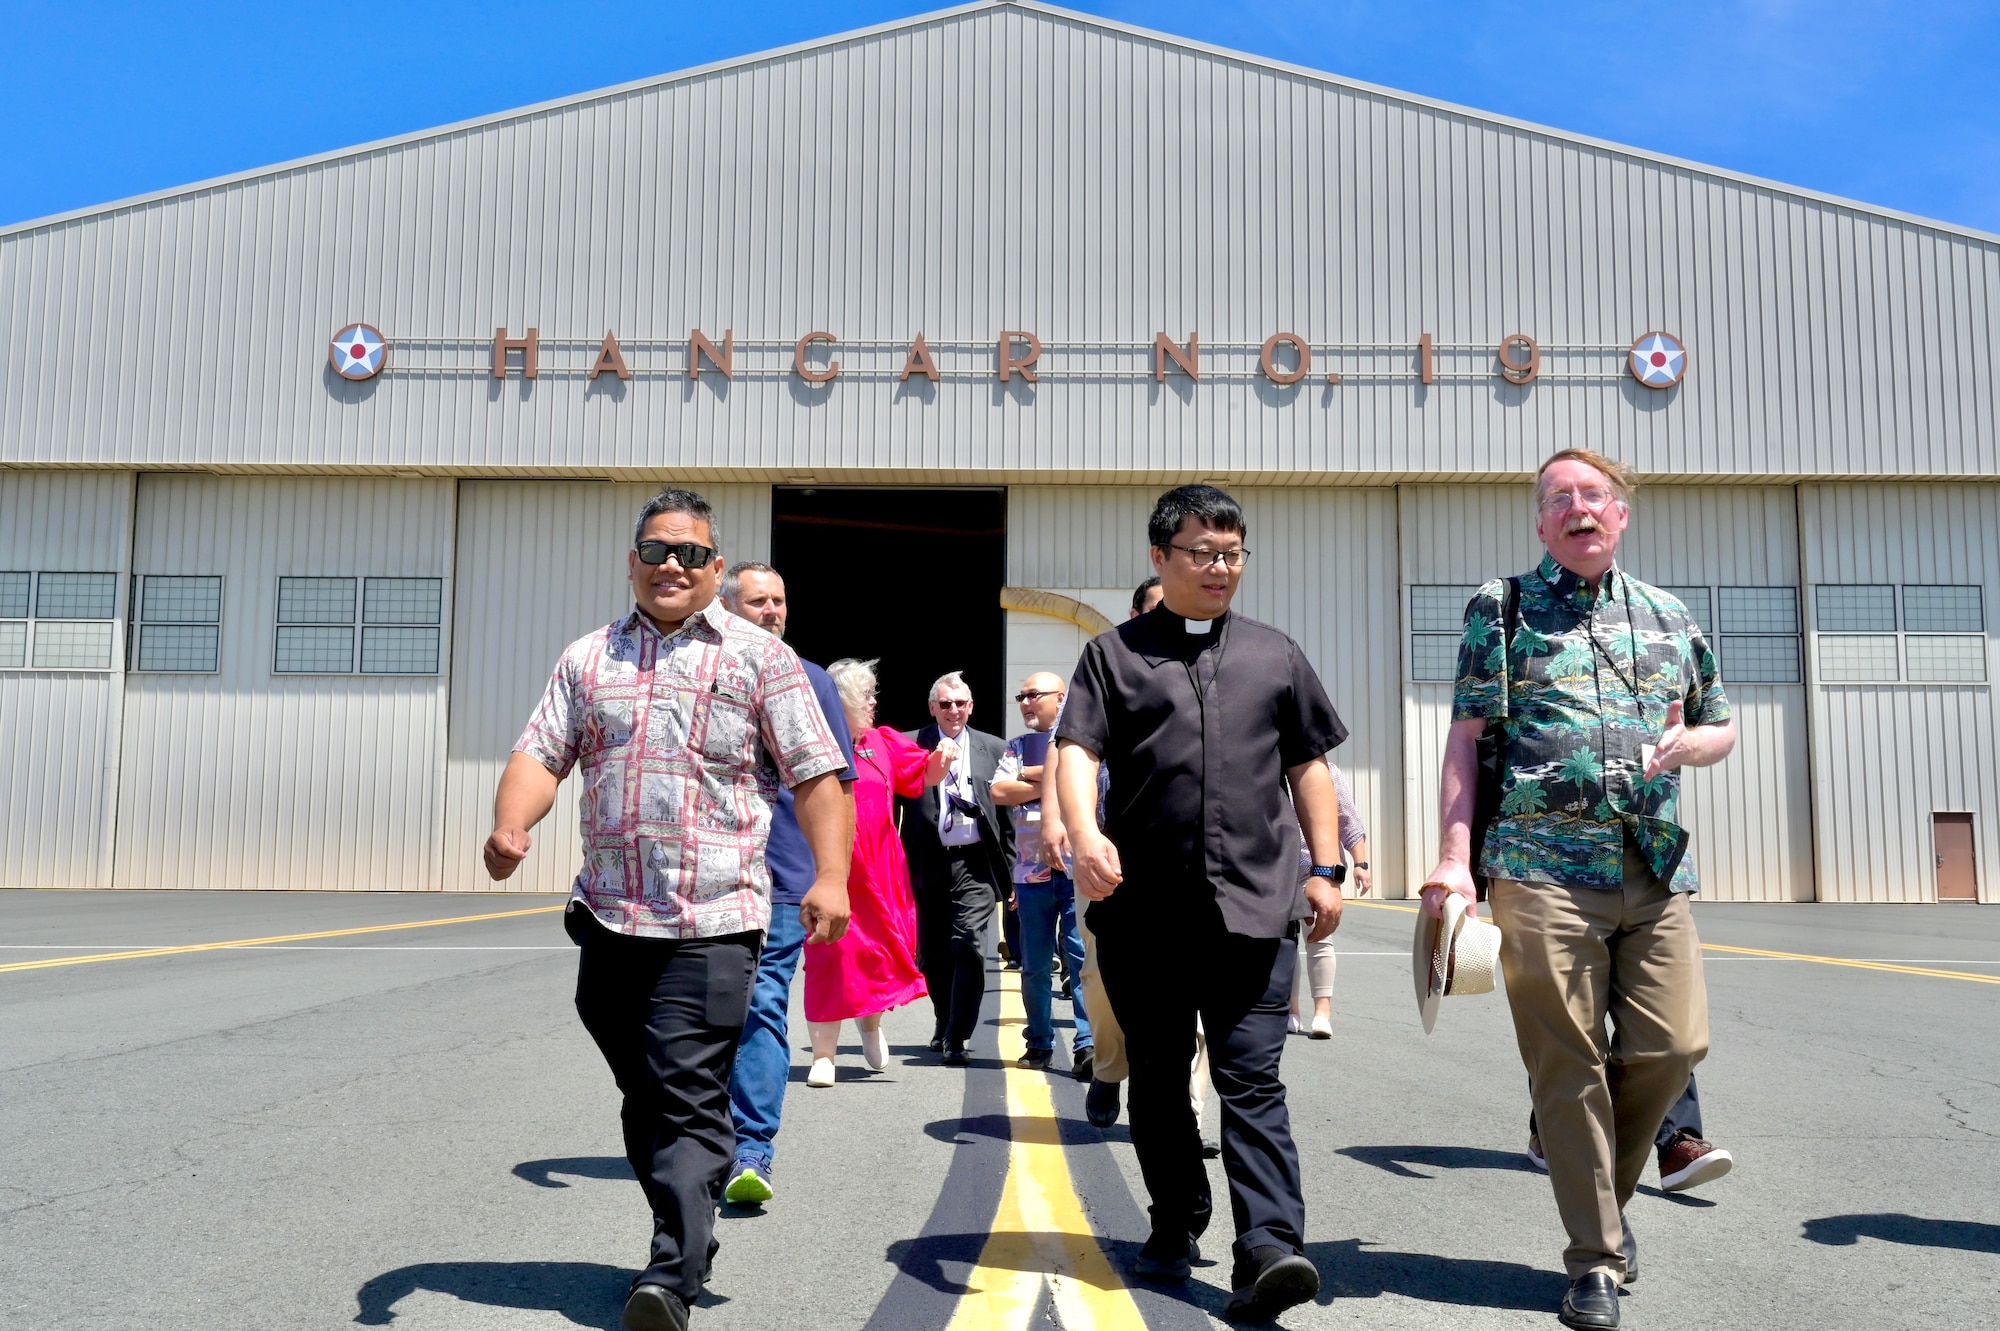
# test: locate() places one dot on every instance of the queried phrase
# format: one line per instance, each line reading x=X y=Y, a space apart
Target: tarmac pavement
x=408 y=1127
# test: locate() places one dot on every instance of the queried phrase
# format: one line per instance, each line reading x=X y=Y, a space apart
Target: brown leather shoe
x=1688 y=1162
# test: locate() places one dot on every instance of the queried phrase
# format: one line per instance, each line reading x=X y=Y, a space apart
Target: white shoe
x=1292 y=1026
x=875 y=1049
x=821 y=1074
x=1322 y=1027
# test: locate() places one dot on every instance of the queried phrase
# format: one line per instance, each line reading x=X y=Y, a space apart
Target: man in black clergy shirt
x=1206 y=721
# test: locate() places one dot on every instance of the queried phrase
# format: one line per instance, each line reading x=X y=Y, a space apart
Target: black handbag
x=1492 y=769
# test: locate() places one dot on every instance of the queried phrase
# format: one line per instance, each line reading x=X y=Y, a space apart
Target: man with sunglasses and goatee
x=961 y=855
x=685 y=720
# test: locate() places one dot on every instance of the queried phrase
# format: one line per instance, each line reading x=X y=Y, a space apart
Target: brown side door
x=1956 y=878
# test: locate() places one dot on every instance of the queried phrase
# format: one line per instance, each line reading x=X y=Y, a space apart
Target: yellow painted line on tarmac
x=49 y=963
x=1855 y=963
x=1041 y=1238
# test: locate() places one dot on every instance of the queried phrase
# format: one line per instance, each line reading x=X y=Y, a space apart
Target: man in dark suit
x=961 y=856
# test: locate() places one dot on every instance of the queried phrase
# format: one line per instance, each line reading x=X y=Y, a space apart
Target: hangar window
x=1437 y=622
x=177 y=623
x=1945 y=635
x=1757 y=634
x=1857 y=633
x=57 y=621
x=396 y=622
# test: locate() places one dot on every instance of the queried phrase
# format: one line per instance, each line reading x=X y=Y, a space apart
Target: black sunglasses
x=686 y=553
x=1026 y=694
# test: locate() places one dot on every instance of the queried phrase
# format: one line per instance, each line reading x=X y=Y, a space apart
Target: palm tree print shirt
x=1587 y=683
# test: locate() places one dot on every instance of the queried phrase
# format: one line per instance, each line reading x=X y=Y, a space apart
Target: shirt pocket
x=725 y=726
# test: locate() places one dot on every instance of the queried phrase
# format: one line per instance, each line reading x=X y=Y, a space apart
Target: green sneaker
x=748 y=1188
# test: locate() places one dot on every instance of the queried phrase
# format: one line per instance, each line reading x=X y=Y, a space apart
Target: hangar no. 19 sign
x=359 y=352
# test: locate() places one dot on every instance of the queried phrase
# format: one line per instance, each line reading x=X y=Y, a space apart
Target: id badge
x=1646 y=752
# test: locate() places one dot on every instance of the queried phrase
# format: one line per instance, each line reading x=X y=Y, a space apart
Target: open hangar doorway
x=910 y=575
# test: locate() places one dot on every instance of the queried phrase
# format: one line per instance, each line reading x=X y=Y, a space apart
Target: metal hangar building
x=307 y=474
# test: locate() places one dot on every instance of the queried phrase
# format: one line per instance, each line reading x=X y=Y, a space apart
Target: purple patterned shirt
x=683 y=738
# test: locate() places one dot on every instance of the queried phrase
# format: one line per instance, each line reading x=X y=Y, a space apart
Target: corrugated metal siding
x=1320 y=571
x=1885 y=756
x=247 y=779
x=1751 y=816
x=59 y=758
x=1000 y=168
x=540 y=564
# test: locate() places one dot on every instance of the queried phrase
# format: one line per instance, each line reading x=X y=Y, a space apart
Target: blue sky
x=1896 y=104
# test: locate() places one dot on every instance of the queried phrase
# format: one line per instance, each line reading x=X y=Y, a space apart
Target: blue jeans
x=763 y=1055
x=1048 y=921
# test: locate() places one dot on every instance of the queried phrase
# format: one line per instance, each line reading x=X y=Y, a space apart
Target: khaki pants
x=1573 y=957
x=1107 y=1051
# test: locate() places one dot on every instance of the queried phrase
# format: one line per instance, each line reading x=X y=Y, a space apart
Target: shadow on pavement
x=998 y=1127
x=1396 y=1159
x=1347 y=1270
x=1895 y=1227
x=923 y=1259
x=542 y=1173
x=587 y=1293
x=1677 y=1198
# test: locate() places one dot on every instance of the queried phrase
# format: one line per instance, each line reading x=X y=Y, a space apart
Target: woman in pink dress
x=873 y=967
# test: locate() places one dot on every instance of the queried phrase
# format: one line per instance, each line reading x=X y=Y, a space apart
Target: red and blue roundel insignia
x=357 y=352
x=1658 y=360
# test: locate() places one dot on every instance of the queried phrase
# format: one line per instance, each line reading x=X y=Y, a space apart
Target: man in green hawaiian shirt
x=1605 y=691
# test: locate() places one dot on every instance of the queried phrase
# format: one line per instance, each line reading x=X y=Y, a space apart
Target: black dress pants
x=951 y=943
x=666 y=1014
x=1157 y=979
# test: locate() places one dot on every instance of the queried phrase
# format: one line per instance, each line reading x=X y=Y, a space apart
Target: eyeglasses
x=953 y=704
x=1025 y=694
x=1203 y=557
x=685 y=553
x=1592 y=497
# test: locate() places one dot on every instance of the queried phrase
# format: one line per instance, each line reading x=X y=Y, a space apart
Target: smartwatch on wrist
x=1361 y=864
x=1337 y=872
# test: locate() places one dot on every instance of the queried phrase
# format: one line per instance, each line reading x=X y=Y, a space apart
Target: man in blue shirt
x=755 y=592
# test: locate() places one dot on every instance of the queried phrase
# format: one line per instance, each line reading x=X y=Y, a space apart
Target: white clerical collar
x=1198 y=626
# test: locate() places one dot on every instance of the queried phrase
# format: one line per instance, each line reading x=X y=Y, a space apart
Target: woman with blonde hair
x=873 y=966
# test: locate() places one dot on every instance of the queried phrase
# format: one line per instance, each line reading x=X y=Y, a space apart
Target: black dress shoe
x=1269 y=1281
x=1631 y=1251
x=654 y=1308
x=1592 y=1302
x=1081 y=1063
x=1165 y=1258
x=956 y=1056
x=937 y=1044
x=1035 y=1060
x=1100 y=1103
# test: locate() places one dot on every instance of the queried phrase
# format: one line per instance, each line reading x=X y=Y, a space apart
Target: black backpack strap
x=1510 y=619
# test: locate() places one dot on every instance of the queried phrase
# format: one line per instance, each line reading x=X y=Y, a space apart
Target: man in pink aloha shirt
x=685 y=719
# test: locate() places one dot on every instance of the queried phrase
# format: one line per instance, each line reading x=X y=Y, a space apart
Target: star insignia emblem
x=1658 y=360
x=357 y=352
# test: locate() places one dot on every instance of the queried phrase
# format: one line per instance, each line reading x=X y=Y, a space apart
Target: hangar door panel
x=541 y=563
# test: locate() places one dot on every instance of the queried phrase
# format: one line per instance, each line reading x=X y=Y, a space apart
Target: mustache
x=1585 y=523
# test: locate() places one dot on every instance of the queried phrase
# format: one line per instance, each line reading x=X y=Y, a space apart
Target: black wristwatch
x=1337 y=872
x=1361 y=864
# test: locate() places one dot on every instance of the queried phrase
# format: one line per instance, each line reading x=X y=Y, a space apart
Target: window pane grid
x=14 y=595
x=176 y=599
x=13 y=644
x=316 y=601
x=1750 y=658
x=402 y=601
x=1758 y=610
x=1439 y=609
x=315 y=650
x=1696 y=600
x=399 y=651
x=1943 y=610
x=73 y=645
x=76 y=595
x=1855 y=608
x=1434 y=657
x=1853 y=658
x=188 y=648
x=1958 y=658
